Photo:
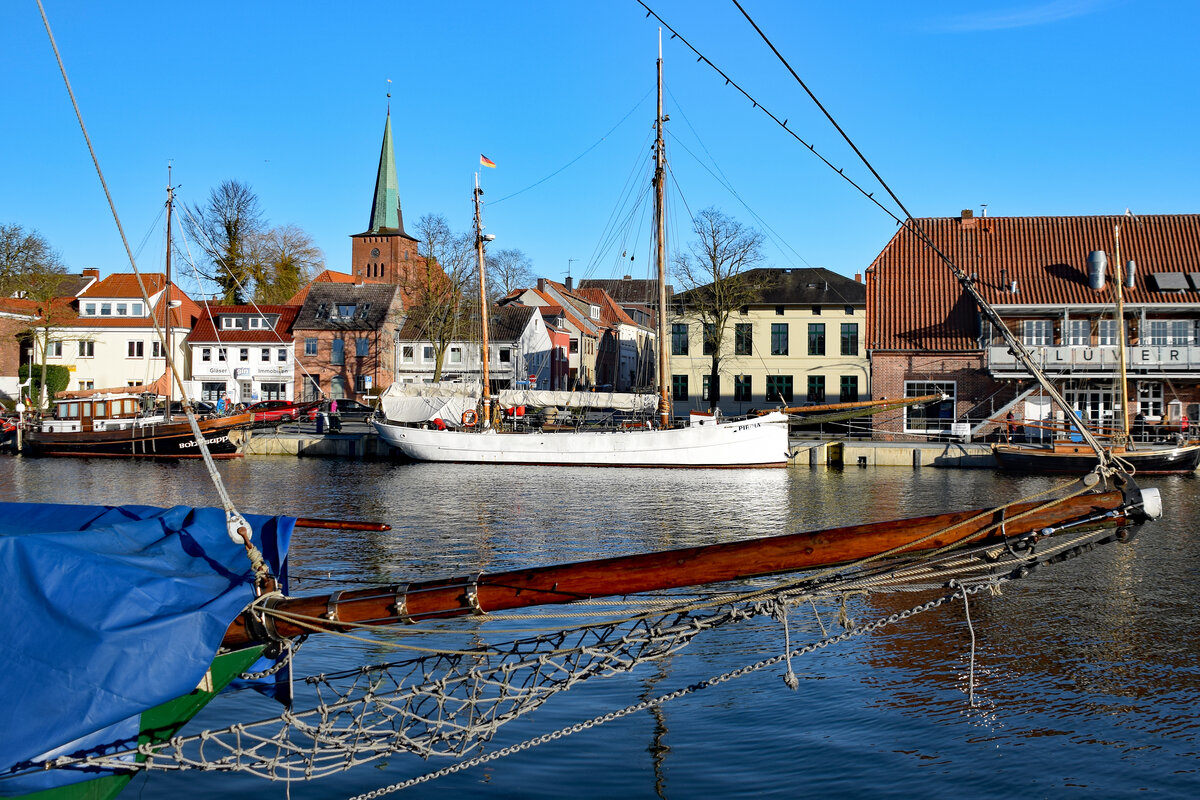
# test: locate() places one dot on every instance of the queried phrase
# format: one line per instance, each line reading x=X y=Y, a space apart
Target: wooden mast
x=483 y=309
x=660 y=216
x=167 y=316
x=564 y=583
x=1122 y=437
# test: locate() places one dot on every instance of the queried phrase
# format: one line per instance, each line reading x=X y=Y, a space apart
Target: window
x=427 y=354
x=337 y=387
x=310 y=346
x=816 y=338
x=312 y=390
x=259 y=323
x=711 y=389
x=594 y=312
x=407 y=353
x=743 y=339
x=106 y=309
x=337 y=354
x=849 y=389
x=1079 y=332
x=346 y=309
x=89 y=309
x=281 y=355
x=679 y=387
x=233 y=323
x=362 y=347
x=849 y=338
x=679 y=339
x=935 y=417
x=266 y=354
x=1150 y=398
x=742 y=391
x=222 y=353
x=122 y=309
x=360 y=384
x=456 y=355
x=156 y=349
x=779 y=338
x=135 y=349
x=135 y=309
x=505 y=355
x=1038 y=333
x=779 y=388
x=92 y=385
x=1106 y=332
x=574 y=346
x=710 y=336
x=243 y=354
x=87 y=349
x=274 y=391
x=849 y=311
x=206 y=354
x=816 y=389
x=54 y=349
x=212 y=391
x=1181 y=332
x=816 y=310
x=779 y=311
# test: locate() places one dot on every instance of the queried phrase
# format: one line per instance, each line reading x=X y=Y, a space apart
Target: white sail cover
x=422 y=402
x=539 y=398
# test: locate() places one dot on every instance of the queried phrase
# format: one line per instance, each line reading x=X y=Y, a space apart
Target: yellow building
x=799 y=341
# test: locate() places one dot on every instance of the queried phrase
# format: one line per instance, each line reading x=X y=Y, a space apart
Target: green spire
x=385 y=207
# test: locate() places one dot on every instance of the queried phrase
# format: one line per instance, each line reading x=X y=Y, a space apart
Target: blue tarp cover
x=108 y=611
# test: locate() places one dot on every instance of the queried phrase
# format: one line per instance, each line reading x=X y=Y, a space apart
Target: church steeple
x=386 y=216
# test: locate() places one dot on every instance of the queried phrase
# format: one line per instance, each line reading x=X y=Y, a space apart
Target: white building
x=243 y=353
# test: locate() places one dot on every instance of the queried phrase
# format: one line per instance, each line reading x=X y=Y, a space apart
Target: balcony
x=1175 y=361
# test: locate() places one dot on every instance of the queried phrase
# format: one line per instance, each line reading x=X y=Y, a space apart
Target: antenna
x=570 y=261
x=389 y=96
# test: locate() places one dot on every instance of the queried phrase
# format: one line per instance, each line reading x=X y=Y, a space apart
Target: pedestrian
x=333 y=406
x=1010 y=425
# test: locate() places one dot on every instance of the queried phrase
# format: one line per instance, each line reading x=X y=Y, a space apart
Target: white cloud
x=1027 y=17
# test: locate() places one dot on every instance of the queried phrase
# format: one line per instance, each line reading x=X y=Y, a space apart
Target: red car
x=274 y=411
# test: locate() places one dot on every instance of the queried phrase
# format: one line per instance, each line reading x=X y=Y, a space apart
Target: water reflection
x=1093 y=661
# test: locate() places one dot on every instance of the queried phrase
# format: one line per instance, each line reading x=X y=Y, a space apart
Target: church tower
x=384 y=253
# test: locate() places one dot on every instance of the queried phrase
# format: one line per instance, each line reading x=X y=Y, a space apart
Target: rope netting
x=451 y=702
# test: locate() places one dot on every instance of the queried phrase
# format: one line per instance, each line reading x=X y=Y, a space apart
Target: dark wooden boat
x=124 y=426
x=1070 y=458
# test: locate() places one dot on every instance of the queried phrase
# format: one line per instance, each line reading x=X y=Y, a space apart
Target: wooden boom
x=481 y=593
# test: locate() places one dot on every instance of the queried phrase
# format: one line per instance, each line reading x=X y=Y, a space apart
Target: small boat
x=1074 y=458
x=126 y=424
x=707 y=441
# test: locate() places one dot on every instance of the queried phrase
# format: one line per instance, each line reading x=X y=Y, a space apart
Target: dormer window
x=594 y=311
x=135 y=309
x=346 y=309
x=106 y=309
x=89 y=309
x=122 y=310
x=233 y=323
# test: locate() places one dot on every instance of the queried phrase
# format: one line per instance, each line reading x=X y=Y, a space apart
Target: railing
x=1142 y=359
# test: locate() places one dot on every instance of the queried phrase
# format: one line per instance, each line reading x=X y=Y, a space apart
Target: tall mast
x=660 y=215
x=167 y=316
x=1123 y=400
x=483 y=311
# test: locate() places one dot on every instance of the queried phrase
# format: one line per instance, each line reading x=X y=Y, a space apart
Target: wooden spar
x=624 y=575
x=899 y=402
x=341 y=524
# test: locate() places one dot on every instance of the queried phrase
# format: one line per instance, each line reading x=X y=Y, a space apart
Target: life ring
x=469 y=418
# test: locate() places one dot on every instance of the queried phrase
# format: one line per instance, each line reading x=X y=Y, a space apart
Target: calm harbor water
x=1087 y=673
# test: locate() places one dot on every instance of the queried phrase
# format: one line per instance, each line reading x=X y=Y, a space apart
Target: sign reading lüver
x=1168 y=357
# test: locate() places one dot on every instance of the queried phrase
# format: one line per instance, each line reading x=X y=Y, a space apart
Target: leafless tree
x=228 y=229
x=25 y=257
x=508 y=270
x=437 y=290
x=712 y=276
x=285 y=259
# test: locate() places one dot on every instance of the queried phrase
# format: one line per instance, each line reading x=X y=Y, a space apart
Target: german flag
x=484 y=161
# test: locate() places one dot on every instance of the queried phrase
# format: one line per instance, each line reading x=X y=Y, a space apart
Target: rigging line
x=964 y=281
x=595 y=144
x=781 y=123
x=234 y=518
x=724 y=182
x=626 y=189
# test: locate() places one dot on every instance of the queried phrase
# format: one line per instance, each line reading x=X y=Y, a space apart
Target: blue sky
x=1033 y=107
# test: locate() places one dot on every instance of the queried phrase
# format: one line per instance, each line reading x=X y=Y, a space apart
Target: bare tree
x=508 y=270
x=284 y=258
x=436 y=290
x=25 y=257
x=227 y=229
x=712 y=275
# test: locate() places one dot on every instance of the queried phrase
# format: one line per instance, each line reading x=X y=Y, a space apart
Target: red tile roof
x=326 y=276
x=125 y=284
x=914 y=302
x=610 y=312
x=205 y=330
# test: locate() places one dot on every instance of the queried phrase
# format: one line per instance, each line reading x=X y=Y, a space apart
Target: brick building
x=345 y=340
x=384 y=253
x=1053 y=282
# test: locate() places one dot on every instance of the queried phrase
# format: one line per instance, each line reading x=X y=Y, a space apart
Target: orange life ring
x=469 y=418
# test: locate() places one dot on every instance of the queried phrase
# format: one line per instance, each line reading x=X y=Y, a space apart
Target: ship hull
x=1045 y=461
x=166 y=440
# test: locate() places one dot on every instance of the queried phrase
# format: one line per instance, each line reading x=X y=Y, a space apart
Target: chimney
x=858 y=277
x=968 y=218
x=541 y=284
x=92 y=272
x=1097 y=262
x=570 y=283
